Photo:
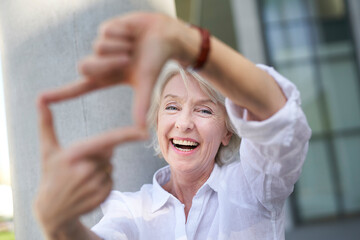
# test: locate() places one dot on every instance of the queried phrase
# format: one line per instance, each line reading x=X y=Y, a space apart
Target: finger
x=106 y=141
x=94 y=198
x=146 y=76
x=108 y=169
x=103 y=66
x=132 y=24
x=69 y=91
x=107 y=47
x=91 y=183
x=102 y=162
x=141 y=105
x=48 y=139
x=90 y=196
x=102 y=157
x=114 y=29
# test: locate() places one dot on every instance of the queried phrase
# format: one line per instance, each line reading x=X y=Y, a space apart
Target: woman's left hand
x=76 y=179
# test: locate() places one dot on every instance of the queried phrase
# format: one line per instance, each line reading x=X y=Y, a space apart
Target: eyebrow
x=202 y=101
x=170 y=96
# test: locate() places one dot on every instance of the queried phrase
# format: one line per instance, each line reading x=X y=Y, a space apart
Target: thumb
x=145 y=76
x=48 y=139
x=141 y=99
x=107 y=141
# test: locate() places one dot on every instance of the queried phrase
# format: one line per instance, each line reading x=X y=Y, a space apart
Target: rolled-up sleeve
x=272 y=151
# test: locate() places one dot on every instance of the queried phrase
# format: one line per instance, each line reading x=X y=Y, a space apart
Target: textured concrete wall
x=41 y=41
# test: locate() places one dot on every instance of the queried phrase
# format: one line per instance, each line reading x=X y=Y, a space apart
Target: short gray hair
x=225 y=154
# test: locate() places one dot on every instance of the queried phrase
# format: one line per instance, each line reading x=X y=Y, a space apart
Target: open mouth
x=184 y=145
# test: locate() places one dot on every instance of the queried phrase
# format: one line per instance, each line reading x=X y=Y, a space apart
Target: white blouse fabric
x=241 y=200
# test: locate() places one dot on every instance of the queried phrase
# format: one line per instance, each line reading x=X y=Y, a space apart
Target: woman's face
x=190 y=126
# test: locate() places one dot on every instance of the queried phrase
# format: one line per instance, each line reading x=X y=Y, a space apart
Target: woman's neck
x=184 y=186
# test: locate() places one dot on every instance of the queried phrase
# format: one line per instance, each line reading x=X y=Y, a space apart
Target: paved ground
x=342 y=230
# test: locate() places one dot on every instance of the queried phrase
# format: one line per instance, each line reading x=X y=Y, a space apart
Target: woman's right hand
x=132 y=49
x=76 y=179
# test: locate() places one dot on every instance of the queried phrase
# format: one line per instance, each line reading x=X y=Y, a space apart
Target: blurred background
x=316 y=44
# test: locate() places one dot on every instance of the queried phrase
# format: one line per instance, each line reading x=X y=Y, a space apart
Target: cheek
x=162 y=139
x=213 y=131
x=218 y=132
x=163 y=126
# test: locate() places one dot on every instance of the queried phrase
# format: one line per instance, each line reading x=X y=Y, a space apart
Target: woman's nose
x=184 y=121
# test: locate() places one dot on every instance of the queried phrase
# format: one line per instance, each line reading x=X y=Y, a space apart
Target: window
x=310 y=42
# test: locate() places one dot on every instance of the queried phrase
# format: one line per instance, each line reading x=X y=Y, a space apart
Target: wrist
x=189 y=41
x=53 y=225
x=204 y=48
x=64 y=231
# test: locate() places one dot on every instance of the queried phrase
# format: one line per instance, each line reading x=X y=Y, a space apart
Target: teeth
x=183 y=149
x=184 y=142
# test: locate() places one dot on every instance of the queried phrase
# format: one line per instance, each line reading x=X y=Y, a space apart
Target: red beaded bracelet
x=204 y=48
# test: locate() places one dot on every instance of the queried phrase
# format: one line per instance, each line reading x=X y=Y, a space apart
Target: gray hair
x=225 y=154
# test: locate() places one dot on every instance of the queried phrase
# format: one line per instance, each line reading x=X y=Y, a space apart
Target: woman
x=203 y=193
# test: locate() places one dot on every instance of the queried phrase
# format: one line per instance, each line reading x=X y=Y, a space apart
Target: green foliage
x=7 y=236
x=4 y=219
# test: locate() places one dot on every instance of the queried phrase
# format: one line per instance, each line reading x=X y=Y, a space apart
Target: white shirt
x=241 y=200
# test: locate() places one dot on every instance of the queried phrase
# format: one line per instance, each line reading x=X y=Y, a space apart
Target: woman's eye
x=171 y=108
x=205 y=111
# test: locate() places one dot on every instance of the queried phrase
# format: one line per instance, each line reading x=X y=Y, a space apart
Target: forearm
x=234 y=76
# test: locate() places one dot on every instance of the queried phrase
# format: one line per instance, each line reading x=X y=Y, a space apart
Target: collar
x=159 y=195
x=162 y=176
x=214 y=180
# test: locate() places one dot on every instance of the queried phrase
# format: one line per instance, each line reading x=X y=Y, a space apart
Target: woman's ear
x=226 y=139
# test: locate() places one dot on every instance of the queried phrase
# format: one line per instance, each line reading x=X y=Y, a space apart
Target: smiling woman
x=204 y=108
x=194 y=197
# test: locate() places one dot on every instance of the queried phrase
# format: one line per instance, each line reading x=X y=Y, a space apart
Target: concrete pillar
x=41 y=41
x=248 y=30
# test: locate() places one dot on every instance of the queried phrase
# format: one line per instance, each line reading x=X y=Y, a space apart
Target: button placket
x=180 y=231
x=195 y=213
